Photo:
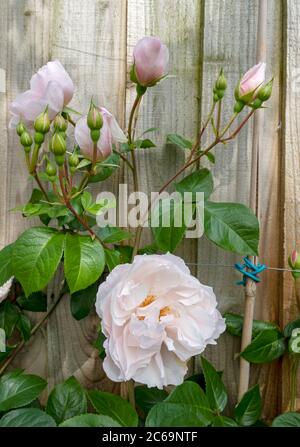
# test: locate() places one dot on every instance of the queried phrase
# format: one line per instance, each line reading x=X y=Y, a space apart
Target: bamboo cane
x=250 y=288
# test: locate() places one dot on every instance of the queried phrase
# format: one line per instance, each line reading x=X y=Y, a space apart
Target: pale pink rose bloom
x=253 y=79
x=109 y=132
x=151 y=58
x=4 y=289
x=155 y=316
x=51 y=86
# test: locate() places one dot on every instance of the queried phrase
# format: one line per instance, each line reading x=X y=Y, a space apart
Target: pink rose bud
x=294 y=263
x=251 y=81
x=151 y=58
x=110 y=131
x=51 y=86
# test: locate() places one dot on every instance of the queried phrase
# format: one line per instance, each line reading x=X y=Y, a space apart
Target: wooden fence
x=94 y=40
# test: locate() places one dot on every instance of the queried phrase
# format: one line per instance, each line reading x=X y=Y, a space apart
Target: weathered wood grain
x=291 y=166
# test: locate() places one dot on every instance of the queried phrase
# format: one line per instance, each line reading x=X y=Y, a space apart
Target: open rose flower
x=110 y=131
x=151 y=58
x=251 y=81
x=51 y=86
x=4 y=289
x=155 y=316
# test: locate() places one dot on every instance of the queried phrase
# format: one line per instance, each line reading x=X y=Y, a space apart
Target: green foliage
x=84 y=261
x=18 y=389
x=83 y=301
x=36 y=255
x=115 y=407
x=27 y=417
x=9 y=316
x=6 y=270
x=287 y=420
x=199 y=181
x=90 y=420
x=106 y=169
x=178 y=140
x=248 y=410
x=287 y=332
x=66 y=400
x=232 y=226
x=266 y=347
x=146 y=397
x=36 y=302
x=234 y=325
x=223 y=421
x=112 y=258
x=112 y=235
x=186 y=406
x=215 y=389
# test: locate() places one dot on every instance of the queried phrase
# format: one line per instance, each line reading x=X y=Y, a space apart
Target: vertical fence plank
x=172 y=106
x=291 y=182
x=89 y=38
x=235 y=51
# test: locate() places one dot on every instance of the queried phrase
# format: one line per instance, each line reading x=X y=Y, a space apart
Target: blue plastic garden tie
x=252 y=273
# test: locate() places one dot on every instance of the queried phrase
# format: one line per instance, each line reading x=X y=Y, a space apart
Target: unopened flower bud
x=95 y=135
x=26 y=139
x=265 y=92
x=238 y=106
x=73 y=160
x=39 y=138
x=20 y=128
x=94 y=118
x=50 y=169
x=221 y=83
x=42 y=122
x=257 y=103
x=216 y=97
x=58 y=144
x=294 y=263
x=60 y=124
x=60 y=159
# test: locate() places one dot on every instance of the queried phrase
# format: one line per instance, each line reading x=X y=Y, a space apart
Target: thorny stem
x=36 y=177
x=33 y=331
x=189 y=163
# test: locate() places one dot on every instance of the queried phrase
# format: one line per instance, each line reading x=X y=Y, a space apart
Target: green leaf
x=144 y=144
x=112 y=258
x=126 y=253
x=84 y=261
x=287 y=332
x=210 y=157
x=6 y=266
x=7 y=352
x=151 y=129
x=248 y=410
x=86 y=199
x=9 y=316
x=267 y=346
x=169 y=223
x=186 y=406
x=27 y=417
x=146 y=397
x=287 y=420
x=36 y=302
x=115 y=407
x=82 y=301
x=103 y=172
x=198 y=181
x=180 y=141
x=99 y=344
x=36 y=256
x=234 y=325
x=66 y=400
x=215 y=389
x=223 y=421
x=112 y=235
x=18 y=389
x=24 y=326
x=90 y=420
x=232 y=226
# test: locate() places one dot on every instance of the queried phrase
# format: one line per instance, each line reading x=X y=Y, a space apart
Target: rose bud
x=51 y=86
x=94 y=118
x=50 y=169
x=110 y=132
x=20 y=128
x=60 y=123
x=246 y=90
x=151 y=58
x=294 y=263
x=26 y=139
x=58 y=144
x=60 y=159
x=265 y=92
